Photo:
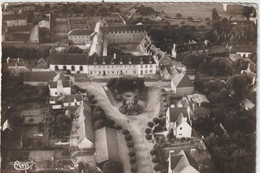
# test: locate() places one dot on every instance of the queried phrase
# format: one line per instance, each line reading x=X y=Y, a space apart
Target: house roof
x=60 y=78
x=42 y=76
x=17 y=61
x=84 y=122
x=144 y=11
x=234 y=57
x=41 y=63
x=198 y=98
x=181 y=160
x=106 y=144
x=201 y=111
x=181 y=80
x=84 y=59
x=191 y=47
x=175 y=112
x=81 y=32
x=243 y=48
x=14 y=17
x=20 y=28
x=218 y=50
x=70 y=98
x=19 y=36
x=123 y=28
x=247 y=104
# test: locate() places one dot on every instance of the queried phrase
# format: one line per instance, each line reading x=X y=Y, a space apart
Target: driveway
x=135 y=124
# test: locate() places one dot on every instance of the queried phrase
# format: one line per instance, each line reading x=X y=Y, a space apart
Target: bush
x=155 y=160
x=134 y=169
x=130 y=144
x=132 y=161
x=156 y=120
x=99 y=124
x=94 y=102
x=118 y=127
x=110 y=123
x=98 y=115
x=150 y=124
x=178 y=15
x=157 y=167
x=125 y=132
x=112 y=167
x=91 y=97
x=190 y=18
x=147 y=130
x=148 y=137
x=131 y=154
x=153 y=152
x=128 y=137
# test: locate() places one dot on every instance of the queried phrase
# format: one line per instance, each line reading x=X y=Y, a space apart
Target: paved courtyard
x=135 y=124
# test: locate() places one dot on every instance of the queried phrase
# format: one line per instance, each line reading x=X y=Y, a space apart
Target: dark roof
x=14 y=17
x=70 y=98
x=176 y=111
x=19 y=36
x=123 y=28
x=69 y=59
x=45 y=76
x=244 y=48
x=84 y=59
x=20 y=28
x=65 y=83
x=88 y=122
x=81 y=32
x=175 y=159
x=106 y=144
x=182 y=80
x=218 y=49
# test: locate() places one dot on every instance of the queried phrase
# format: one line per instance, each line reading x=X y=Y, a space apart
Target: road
x=135 y=124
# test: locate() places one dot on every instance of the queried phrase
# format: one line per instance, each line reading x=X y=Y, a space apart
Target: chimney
x=18 y=59
x=248 y=67
x=141 y=60
x=114 y=56
x=206 y=42
x=8 y=60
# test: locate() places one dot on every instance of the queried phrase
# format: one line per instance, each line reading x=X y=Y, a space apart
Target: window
x=73 y=68
x=80 y=68
x=151 y=65
x=180 y=128
x=56 y=67
x=64 y=68
x=180 y=134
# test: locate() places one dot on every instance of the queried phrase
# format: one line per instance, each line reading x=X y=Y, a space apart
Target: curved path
x=135 y=124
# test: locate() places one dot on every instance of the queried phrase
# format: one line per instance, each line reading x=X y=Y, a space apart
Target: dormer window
x=95 y=61
x=150 y=60
x=103 y=62
x=121 y=61
x=141 y=60
x=112 y=61
x=130 y=61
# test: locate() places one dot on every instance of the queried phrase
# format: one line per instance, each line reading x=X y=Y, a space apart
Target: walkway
x=135 y=124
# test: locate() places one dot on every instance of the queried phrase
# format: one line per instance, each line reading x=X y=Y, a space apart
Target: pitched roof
x=123 y=28
x=217 y=49
x=247 y=104
x=20 y=28
x=106 y=144
x=181 y=80
x=180 y=161
x=243 y=48
x=84 y=59
x=84 y=122
x=234 y=57
x=14 y=17
x=68 y=59
x=81 y=32
x=60 y=79
x=191 y=47
x=42 y=76
x=198 y=98
x=70 y=98
x=145 y=11
x=175 y=112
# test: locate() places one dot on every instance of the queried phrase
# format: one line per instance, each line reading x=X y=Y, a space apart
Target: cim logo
x=23 y=166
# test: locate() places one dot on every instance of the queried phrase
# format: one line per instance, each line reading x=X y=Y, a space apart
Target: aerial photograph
x=128 y=87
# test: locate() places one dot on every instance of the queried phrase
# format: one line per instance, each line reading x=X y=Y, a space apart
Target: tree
x=118 y=127
x=156 y=120
x=157 y=168
x=131 y=153
x=148 y=137
x=248 y=11
x=97 y=115
x=130 y=144
x=153 y=152
x=214 y=14
x=125 y=132
x=75 y=50
x=99 y=124
x=147 y=130
x=128 y=137
x=132 y=160
x=190 y=18
x=150 y=124
x=178 y=15
x=134 y=168
x=112 y=167
x=155 y=160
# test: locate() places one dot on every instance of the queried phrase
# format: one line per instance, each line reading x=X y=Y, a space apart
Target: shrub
x=125 y=132
x=134 y=169
x=148 y=137
x=128 y=137
x=157 y=167
x=110 y=123
x=99 y=124
x=91 y=97
x=130 y=144
x=156 y=120
x=132 y=161
x=131 y=154
x=182 y=22
x=112 y=167
x=153 y=152
x=147 y=130
x=118 y=127
x=94 y=101
x=178 y=15
x=150 y=124
x=98 y=115
x=155 y=160
x=190 y=18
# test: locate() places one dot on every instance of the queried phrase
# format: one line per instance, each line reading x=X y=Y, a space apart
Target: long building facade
x=114 y=65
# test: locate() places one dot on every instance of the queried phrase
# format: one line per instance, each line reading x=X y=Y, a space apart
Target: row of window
x=120 y=72
x=65 y=68
x=116 y=32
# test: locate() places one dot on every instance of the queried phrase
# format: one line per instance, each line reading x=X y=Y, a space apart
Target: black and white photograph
x=128 y=87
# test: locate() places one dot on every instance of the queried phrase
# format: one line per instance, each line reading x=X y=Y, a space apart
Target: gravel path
x=135 y=124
